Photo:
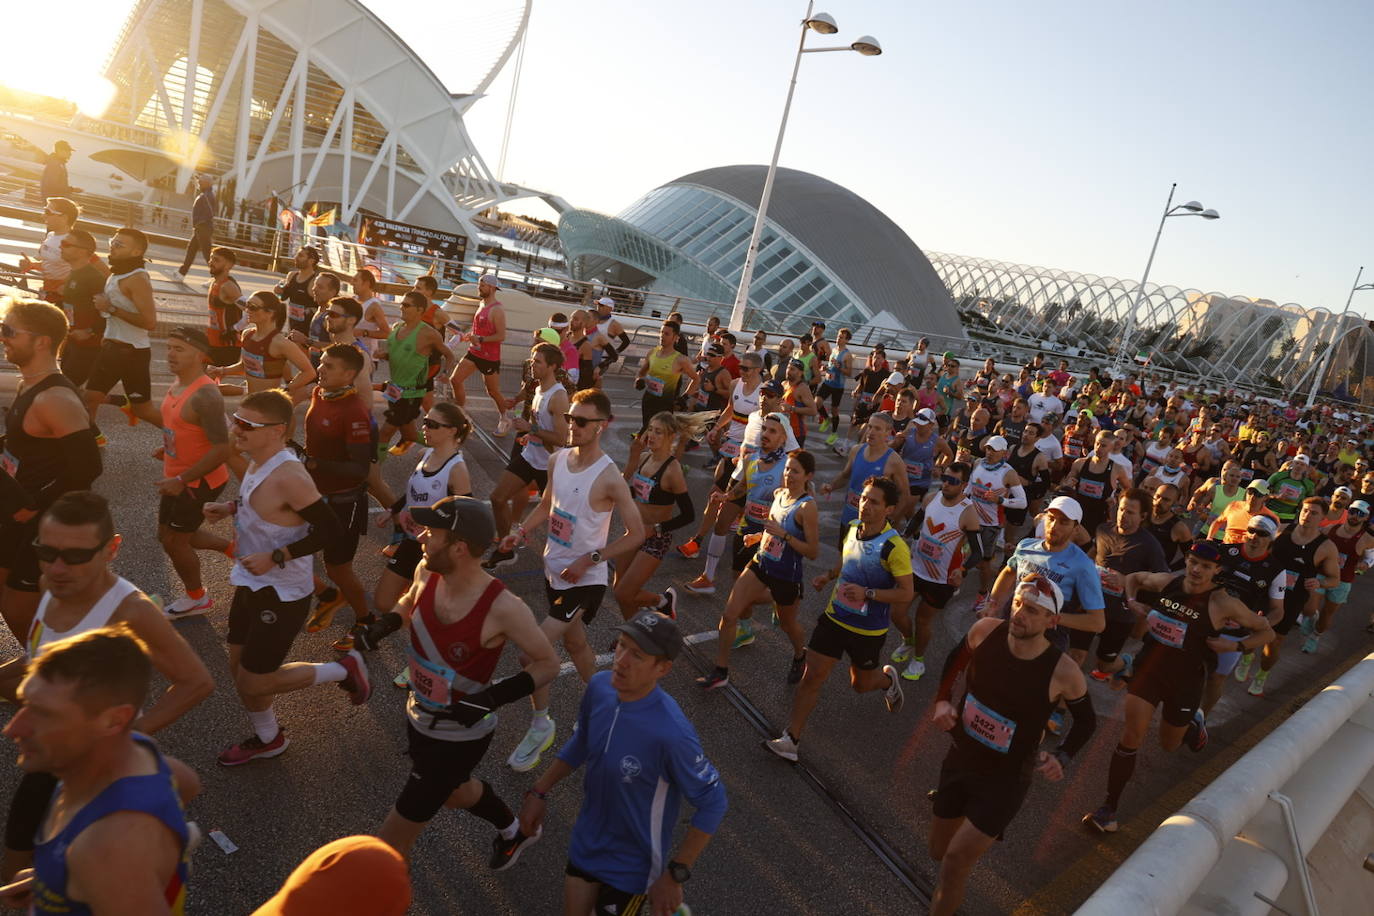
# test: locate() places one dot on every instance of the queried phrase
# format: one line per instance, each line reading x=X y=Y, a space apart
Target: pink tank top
x=483 y=326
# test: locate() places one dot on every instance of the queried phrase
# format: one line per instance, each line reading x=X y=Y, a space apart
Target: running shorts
x=656 y=545
x=436 y=769
x=1338 y=595
x=403 y=411
x=741 y=553
x=988 y=800
x=17 y=553
x=125 y=364
x=183 y=512
x=610 y=901
x=833 y=641
x=351 y=511
x=1177 y=690
x=484 y=366
x=78 y=360
x=783 y=592
x=935 y=594
x=1109 y=642
x=264 y=626
x=564 y=603
x=523 y=470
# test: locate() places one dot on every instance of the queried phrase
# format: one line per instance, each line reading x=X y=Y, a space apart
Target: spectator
x=202 y=224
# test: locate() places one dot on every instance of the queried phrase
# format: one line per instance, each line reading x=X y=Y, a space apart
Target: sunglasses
x=1034 y=582
x=1257 y=533
x=583 y=421
x=8 y=330
x=257 y=308
x=427 y=423
x=332 y=314
x=1359 y=513
x=952 y=481
x=250 y=425
x=70 y=556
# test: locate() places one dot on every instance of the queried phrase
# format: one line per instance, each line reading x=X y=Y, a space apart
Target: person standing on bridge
x=1014 y=678
x=202 y=224
x=54 y=182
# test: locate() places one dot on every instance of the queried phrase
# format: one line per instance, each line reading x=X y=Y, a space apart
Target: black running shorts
x=935 y=594
x=1175 y=689
x=784 y=593
x=436 y=769
x=264 y=627
x=17 y=554
x=610 y=901
x=564 y=603
x=125 y=364
x=484 y=366
x=523 y=470
x=988 y=800
x=833 y=641
x=183 y=512
x=402 y=411
x=351 y=511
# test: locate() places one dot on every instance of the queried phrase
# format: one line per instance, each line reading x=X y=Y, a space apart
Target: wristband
x=542 y=796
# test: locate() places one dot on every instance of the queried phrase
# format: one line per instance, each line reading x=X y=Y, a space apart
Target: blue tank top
x=862 y=470
x=919 y=459
x=833 y=376
x=759 y=486
x=154 y=794
x=775 y=556
x=861 y=563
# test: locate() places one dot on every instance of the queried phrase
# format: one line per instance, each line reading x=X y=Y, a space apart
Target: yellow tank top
x=661 y=379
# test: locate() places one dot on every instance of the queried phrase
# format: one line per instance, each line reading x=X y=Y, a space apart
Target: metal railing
x=1241 y=845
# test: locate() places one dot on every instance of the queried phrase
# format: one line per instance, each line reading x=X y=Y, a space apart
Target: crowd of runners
x=1175 y=536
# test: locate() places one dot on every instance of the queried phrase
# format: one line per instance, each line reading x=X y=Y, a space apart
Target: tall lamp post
x=1191 y=208
x=824 y=24
x=1336 y=338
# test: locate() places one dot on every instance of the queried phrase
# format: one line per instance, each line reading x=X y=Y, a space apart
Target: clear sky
x=1041 y=133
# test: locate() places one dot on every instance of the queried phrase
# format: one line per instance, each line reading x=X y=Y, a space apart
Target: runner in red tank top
x=222 y=299
x=460 y=620
x=195 y=445
x=484 y=351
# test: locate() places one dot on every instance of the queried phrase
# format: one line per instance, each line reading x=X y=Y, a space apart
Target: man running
x=874 y=577
x=642 y=757
x=114 y=838
x=543 y=434
x=280 y=520
x=1252 y=572
x=1234 y=520
x=1121 y=547
x=340 y=447
x=870 y=458
x=294 y=290
x=59 y=219
x=77 y=544
x=839 y=369
x=584 y=490
x=610 y=330
x=126 y=350
x=458 y=620
x=84 y=282
x=195 y=444
x=1211 y=500
x=1355 y=553
x=484 y=351
x=224 y=301
x=922 y=449
x=947 y=541
x=409 y=347
x=50 y=448
x=1014 y=678
x=1183 y=627
x=994 y=487
x=1168 y=527
x=1289 y=486
x=1095 y=479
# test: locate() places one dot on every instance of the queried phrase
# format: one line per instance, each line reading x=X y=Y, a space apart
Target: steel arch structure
x=1230 y=339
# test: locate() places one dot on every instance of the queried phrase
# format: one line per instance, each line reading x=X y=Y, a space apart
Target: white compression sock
x=714 y=550
x=327 y=672
x=264 y=724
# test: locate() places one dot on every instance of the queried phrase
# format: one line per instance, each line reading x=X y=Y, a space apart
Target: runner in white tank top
x=584 y=490
x=541 y=419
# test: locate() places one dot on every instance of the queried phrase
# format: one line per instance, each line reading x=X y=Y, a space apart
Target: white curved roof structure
x=316 y=100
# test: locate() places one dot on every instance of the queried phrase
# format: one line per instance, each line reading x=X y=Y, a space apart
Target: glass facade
x=691 y=241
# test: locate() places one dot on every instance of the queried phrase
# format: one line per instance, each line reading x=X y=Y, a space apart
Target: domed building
x=825 y=252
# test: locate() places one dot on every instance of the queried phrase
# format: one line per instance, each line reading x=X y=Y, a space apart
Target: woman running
x=265 y=351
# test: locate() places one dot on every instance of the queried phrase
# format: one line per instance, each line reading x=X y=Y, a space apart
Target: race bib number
x=702 y=398
x=1247 y=475
x=865 y=397
x=252 y=365
x=9 y=463
x=987 y=726
x=1092 y=489
x=561 y=525
x=930 y=548
x=392 y=392
x=772 y=547
x=851 y=499
x=432 y=683
x=729 y=448
x=981 y=492
x=1107 y=576
x=295 y=312
x=641 y=487
x=756 y=511
x=915 y=470
x=841 y=604
x=1167 y=630
x=653 y=385
x=1289 y=492
x=169 y=442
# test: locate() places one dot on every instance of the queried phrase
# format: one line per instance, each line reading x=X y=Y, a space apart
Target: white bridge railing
x=1244 y=845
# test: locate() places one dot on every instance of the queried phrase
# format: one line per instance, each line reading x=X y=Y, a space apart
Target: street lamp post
x=1191 y=208
x=824 y=24
x=1336 y=338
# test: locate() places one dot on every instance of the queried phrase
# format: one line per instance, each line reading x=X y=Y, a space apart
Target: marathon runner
x=126 y=350
x=49 y=448
x=658 y=483
x=458 y=621
x=1254 y=574
x=83 y=283
x=1289 y=486
x=994 y=487
x=410 y=345
x=923 y=450
x=874 y=576
x=947 y=540
x=340 y=448
x=224 y=304
x=1355 y=554
x=114 y=837
x=1168 y=527
x=620 y=841
x=294 y=291
x=1232 y=522
x=280 y=520
x=264 y=351
x=783 y=528
x=797 y=401
x=1096 y=479
x=584 y=491
x=1214 y=496
x=59 y=220
x=77 y=546
x=609 y=329
x=540 y=438
x=839 y=369
x=484 y=351
x=375 y=325
x=1033 y=467
x=195 y=445
x=1014 y=678
x=1172 y=472
x=870 y=458
x=1183 y=627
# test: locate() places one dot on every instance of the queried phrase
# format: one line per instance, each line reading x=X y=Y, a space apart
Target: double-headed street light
x=1336 y=338
x=1191 y=208
x=823 y=24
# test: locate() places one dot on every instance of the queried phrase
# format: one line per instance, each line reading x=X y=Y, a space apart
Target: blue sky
x=1042 y=133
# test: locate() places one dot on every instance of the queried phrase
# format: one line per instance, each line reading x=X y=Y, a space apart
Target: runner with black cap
x=1183 y=627
x=642 y=757
x=458 y=621
x=1013 y=678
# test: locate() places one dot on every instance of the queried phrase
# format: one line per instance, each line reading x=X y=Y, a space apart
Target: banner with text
x=425 y=246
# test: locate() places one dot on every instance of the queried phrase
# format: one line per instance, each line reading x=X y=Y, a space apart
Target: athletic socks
x=195 y=595
x=265 y=724
x=541 y=718
x=1119 y=773
x=715 y=549
x=491 y=809
x=328 y=672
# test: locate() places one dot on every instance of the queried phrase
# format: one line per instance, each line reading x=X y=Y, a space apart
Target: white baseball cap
x=996 y=443
x=1068 y=507
x=1301 y=458
x=896 y=378
x=490 y=280
x=924 y=417
x=606 y=301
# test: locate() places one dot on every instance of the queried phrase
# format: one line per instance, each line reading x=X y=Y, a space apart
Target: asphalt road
x=843 y=834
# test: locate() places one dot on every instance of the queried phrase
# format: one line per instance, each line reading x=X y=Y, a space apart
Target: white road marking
x=605 y=659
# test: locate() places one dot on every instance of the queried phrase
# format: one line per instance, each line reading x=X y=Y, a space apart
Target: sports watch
x=595 y=556
x=279 y=557
x=681 y=873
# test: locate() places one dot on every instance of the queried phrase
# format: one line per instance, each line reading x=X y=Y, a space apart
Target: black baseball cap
x=772 y=386
x=654 y=633
x=191 y=335
x=471 y=517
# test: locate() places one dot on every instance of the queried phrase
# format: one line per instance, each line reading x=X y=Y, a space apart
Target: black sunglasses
x=70 y=556
x=333 y=314
x=250 y=425
x=951 y=480
x=583 y=421
x=427 y=423
x=1257 y=533
x=8 y=330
